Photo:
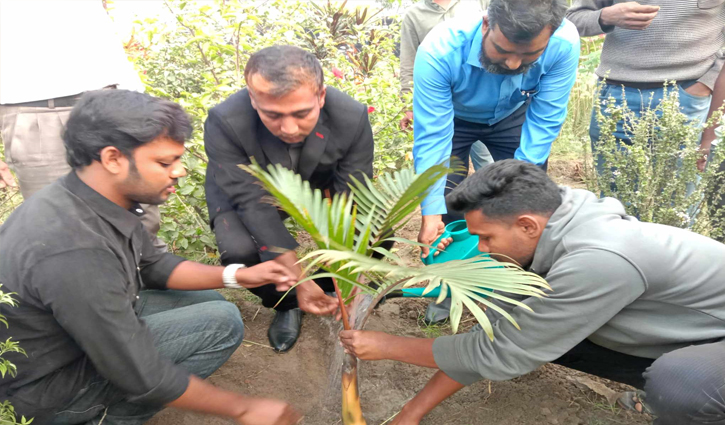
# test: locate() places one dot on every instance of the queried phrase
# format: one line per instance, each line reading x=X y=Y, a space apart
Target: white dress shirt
x=58 y=48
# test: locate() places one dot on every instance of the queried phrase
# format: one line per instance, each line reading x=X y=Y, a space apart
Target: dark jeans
x=197 y=330
x=502 y=139
x=236 y=246
x=685 y=386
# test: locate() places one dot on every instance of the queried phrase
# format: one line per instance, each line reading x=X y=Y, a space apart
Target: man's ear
x=323 y=92
x=251 y=98
x=529 y=226
x=484 y=26
x=114 y=161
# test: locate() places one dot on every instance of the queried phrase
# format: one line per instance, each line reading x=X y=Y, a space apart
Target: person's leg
x=34 y=149
x=596 y=360
x=198 y=331
x=465 y=134
x=236 y=246
x=687 y=386
x=480 y=156
x=504 y=138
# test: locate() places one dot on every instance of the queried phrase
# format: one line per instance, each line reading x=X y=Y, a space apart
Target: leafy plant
x=349 y=228
x=7 y=411
x=655 y=176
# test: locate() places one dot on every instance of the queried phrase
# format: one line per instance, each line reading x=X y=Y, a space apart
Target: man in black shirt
x=285 y=116
x=113 y=329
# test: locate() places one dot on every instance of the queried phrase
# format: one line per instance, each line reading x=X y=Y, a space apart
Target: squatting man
x=639 y=303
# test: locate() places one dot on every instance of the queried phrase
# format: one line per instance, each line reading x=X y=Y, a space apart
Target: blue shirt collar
x=475 y=52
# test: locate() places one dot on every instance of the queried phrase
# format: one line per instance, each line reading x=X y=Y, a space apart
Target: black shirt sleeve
x=101 y=320
x=156 y=266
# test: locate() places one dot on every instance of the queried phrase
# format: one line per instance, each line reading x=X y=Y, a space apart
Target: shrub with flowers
x=197 y=59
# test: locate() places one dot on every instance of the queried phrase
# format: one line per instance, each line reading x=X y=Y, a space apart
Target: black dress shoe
x=285 y=329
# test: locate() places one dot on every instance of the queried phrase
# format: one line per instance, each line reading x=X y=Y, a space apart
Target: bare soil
x=549 y=395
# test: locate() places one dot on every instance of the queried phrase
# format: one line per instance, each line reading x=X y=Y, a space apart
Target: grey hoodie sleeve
x=408 y=47
x=590 y=286
x=585 y=15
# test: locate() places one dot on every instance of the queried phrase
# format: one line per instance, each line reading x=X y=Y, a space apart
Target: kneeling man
x=639 y=303
x=115 y=330
x=285 y=116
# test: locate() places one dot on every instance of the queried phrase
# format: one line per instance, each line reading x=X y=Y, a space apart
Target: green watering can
x=463 y=247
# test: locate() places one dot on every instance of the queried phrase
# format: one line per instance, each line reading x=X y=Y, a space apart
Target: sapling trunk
x=351 y=408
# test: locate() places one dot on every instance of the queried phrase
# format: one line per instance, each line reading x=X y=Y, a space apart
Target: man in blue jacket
x=504 y=79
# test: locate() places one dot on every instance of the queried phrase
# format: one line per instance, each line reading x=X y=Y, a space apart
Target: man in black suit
x=285 y=116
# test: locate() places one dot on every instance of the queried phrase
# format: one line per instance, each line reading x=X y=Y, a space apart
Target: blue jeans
x=480 y=156
x=694 y=107
x=197 y=330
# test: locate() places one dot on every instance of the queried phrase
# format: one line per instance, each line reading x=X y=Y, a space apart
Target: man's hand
x=630 y=15
x=365 y=345
x=312 y=299
x=406 y=120
x=704 y=152
x=6 y=177
x=267 y=411
x=430 y=229
x=266 y=273
x=699 y=89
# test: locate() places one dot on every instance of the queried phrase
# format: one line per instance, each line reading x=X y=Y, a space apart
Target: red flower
x=371 y=109
x=337 y=73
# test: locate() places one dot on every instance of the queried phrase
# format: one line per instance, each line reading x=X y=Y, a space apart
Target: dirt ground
x=549 y=395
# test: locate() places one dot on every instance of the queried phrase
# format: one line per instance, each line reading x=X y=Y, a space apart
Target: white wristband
x=229 y=276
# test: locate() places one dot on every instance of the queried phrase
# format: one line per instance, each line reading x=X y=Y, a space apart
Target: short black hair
x=286 y=68
x=122 y=119
x=521 y=21
x=506 y=189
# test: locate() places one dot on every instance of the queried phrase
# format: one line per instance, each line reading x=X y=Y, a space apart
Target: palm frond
x=395 y=196
x=467 y=281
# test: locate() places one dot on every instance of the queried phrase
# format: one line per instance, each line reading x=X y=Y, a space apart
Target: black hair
x=521 y=21
x=506 y=189
x=122 y=119
x=286 y=68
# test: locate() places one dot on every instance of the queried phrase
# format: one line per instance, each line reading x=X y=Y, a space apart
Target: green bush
x=650 y=176
x=198 y=61
x=7 y=412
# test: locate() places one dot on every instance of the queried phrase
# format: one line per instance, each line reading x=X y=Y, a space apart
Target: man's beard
x=138 y=190
x=496 y=68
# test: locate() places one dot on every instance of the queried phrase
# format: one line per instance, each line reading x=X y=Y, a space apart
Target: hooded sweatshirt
x=642 y=289
x=419 y=20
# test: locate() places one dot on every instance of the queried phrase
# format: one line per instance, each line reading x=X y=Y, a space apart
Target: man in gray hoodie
x=640 y=303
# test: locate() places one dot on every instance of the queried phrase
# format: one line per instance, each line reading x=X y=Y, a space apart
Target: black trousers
x=502 y=140
x=237 y=246
x=595 y=360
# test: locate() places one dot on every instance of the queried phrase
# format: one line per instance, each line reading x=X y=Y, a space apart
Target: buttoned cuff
x=434 y=204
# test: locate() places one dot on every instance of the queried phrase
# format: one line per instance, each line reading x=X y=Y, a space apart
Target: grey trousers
x=683 y=387
x=687 y=386
x=34 y=150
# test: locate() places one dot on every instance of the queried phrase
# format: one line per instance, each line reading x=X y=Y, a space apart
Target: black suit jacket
x=341 y=145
